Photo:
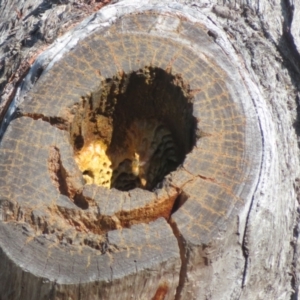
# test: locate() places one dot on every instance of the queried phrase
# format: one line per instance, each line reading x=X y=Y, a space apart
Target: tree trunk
x=149 y=150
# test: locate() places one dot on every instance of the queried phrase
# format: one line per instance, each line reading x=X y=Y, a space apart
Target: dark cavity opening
x=134 y=130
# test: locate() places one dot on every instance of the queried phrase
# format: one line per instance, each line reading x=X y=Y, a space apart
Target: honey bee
x=150 y=153
x=137 y=168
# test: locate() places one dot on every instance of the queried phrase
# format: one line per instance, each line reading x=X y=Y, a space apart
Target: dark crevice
x=57 y=122
x=78 y=142
x=81 y=201
x=245 y=249
x=58 y=175
x=286 y=45
x=184 y=256
x=179 y=201
x=57 y=171
x=212 y=34
x=297 y=122
x=294 y=244
x=99 y=245
x=245 y=253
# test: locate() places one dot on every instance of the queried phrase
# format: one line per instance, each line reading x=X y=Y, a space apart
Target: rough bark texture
x=232 y=232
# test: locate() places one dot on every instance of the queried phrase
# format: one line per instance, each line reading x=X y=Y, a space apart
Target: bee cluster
x=150 y=153
x=134 y=129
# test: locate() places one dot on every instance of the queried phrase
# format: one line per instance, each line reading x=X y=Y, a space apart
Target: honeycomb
x=149 y=154
x=94 y=164
x=133 y=130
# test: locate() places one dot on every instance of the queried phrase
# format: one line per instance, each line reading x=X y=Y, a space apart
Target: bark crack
x=294 y=278
x=294 y=244
x=184 y=256
x=57 y=171
x=245 y=249
x=57 y=122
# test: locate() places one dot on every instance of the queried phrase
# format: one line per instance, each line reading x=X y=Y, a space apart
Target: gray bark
x=253 y=252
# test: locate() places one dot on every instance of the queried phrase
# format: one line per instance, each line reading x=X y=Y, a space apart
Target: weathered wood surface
x=235 y=237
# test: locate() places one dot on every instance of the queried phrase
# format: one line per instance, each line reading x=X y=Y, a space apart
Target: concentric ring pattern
x=109 y=235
